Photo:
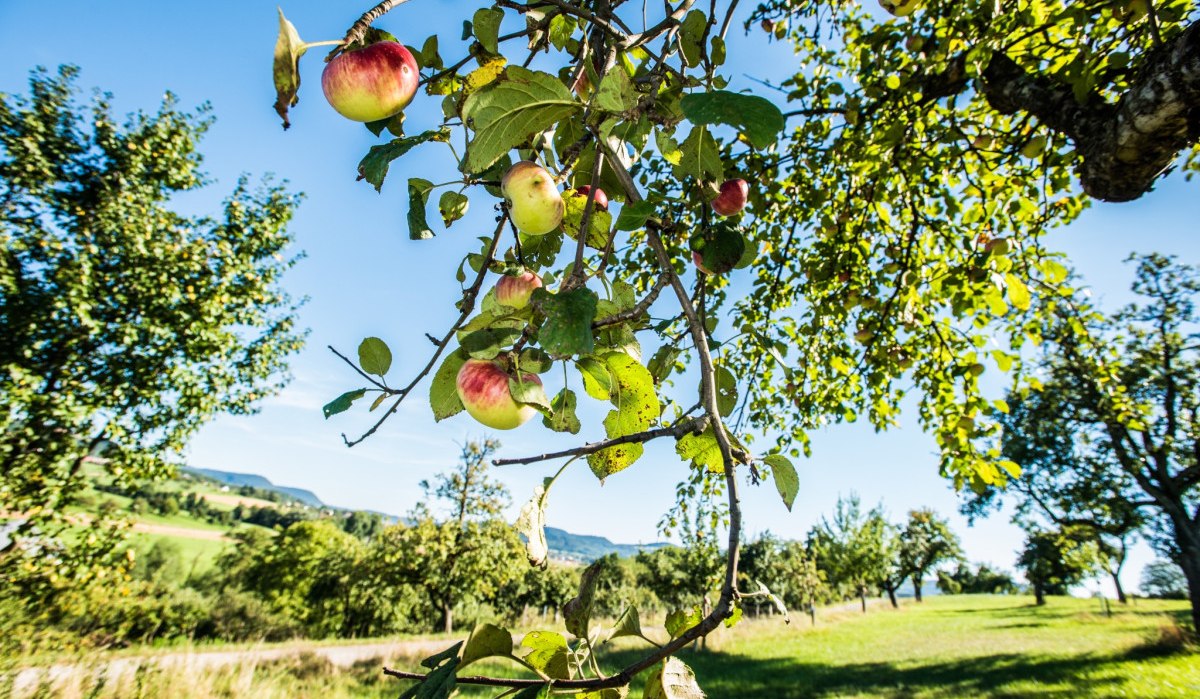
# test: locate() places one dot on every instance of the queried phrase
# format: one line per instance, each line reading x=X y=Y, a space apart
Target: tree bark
x=1189 y=561
x=891 y=590
x=1116 y=578
x=862 y=595
x=1039 y=595
x=916 y=580
x=1124 y=146
x=447 y=617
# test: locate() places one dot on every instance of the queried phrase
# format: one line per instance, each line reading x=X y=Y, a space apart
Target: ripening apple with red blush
x=483 y=388
x=732 y=198
x=371 y=83
x=514 y=290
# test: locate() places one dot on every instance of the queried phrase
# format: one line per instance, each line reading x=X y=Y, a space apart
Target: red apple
x=601 y=198
x=371 y=83
x=514 y=291
x=698 y=261
x=732 y=198
x=483 y=388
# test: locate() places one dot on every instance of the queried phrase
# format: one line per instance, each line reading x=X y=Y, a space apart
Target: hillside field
x=947 y=647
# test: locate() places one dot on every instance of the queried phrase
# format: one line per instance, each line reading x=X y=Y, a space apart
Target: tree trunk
x=917 y=587
x=812 y=614
x=1039 y=594
x=1116 y=578
x=1189 y=560
x=862 y=595
x=892 y=596
x=447 y=617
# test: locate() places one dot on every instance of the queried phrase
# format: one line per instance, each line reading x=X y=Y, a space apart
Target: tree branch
x=678 y=430
x=637 y=310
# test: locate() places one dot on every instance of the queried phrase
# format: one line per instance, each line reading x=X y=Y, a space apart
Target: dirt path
x=181 y=532
x=28 y=680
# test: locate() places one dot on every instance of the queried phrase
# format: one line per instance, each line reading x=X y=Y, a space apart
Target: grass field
x=948 y=647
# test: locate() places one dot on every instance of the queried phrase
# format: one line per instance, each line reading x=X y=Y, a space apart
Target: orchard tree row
x=873 y=225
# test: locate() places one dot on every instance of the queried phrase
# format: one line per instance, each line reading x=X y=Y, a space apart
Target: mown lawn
x=950 y=647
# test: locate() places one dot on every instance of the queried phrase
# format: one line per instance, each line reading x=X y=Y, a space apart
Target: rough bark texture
x=1124 y=146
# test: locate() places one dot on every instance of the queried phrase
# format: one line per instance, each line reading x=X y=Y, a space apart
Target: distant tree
x=469 y=553
x=926 y=542
x=1054 y=561
x=762 y=560
x=803 y=583
x=1124 y=389
x=982 y=580
x=1164 y=580
x=124 y=325
x=364 y=525
x=852 y=547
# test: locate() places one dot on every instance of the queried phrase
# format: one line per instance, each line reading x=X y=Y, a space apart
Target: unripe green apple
x=998 y=246
x=976 y=369
x=514 y=291
x=483 y=388
x=900 y=8
x=534 y=204
x=732 y=198
x=371 y=83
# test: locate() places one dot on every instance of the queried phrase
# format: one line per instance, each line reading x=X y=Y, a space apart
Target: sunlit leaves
x=486 y=641
x=508 y=112
x=568 y=328
x=691 y=36
x=786 y=480
x=452 y=206
x=754 y=117
x=631 y=390
x=486 y=27
x=288 y=50
x=577 y=612
x=531 y=524
x=374 y=166
x=673 y=680
x=702 y=450
x=547 y=653
x=440 y=681
x=443 y=392
x=700 y=158
x=561 y=417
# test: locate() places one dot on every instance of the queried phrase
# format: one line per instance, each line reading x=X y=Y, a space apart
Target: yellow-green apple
x=998 y=246
x=900 y=8
x=534 y=204
x=732 y=198
x=600 y=198
x=371 y=83
x=514 y=291
x=483 y=388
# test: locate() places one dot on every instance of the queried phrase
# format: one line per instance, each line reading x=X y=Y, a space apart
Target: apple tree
x=730 y=266
x=124 y=325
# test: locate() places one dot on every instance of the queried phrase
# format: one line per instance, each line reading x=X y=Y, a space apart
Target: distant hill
x=586 y=548
x=235 y=480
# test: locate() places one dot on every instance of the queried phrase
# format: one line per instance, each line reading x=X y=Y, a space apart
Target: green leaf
x=673 y=680
x=634 y=215
x=628 y=624
x=509 y=111
x=486 y=27
x=374 y=356
x=700 y=158
x=547 y=653
x=534 y=692
x=486 y=641
x=727 y=394
x=561 y=28
x=531 y=524
x=778 y=603
x=786 y=480
x=691 y=36
x=452 y=206
x=702 y=450
x=679 y=621
x=562 y=413
x=668 y=147
x=716 y=51
x=529 y=393
x=577 y=613
x=597 y=379
x=598 y=225
x=637 y=409
x=1018 y=293
x=418 y=196
x=754 y=117
x=721 y=246
x=489 y=340
x=443 y=390
x=569 y=315
x=663 y=362
x=439 y=683
x=343 y=402
x=616 y=93
x=374 y=166
x=288 y=50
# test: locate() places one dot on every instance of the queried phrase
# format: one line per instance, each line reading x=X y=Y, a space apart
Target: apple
x=900 y=8
x=699 y=262
x=601 y=198
x=371 y=83
x=483 y=388
x=514 y=291
x=732 y=198
x=534 y=203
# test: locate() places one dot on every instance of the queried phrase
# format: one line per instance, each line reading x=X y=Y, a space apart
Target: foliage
x=982 y=580
x=896 y=229
x=124 y=325
x=1054 y=561
x=926 y=542
x=854 y=548
x=1163 y=580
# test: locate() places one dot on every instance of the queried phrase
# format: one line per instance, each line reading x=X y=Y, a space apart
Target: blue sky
x=364 y=277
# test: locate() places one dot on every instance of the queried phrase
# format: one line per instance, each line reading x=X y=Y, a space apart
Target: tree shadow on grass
x=729 y=675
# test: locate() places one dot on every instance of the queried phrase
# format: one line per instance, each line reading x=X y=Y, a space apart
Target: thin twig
x=637 y=310
x=677 y=431
x=382 y=386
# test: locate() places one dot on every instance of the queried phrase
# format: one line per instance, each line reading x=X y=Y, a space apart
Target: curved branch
x=693 y=425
